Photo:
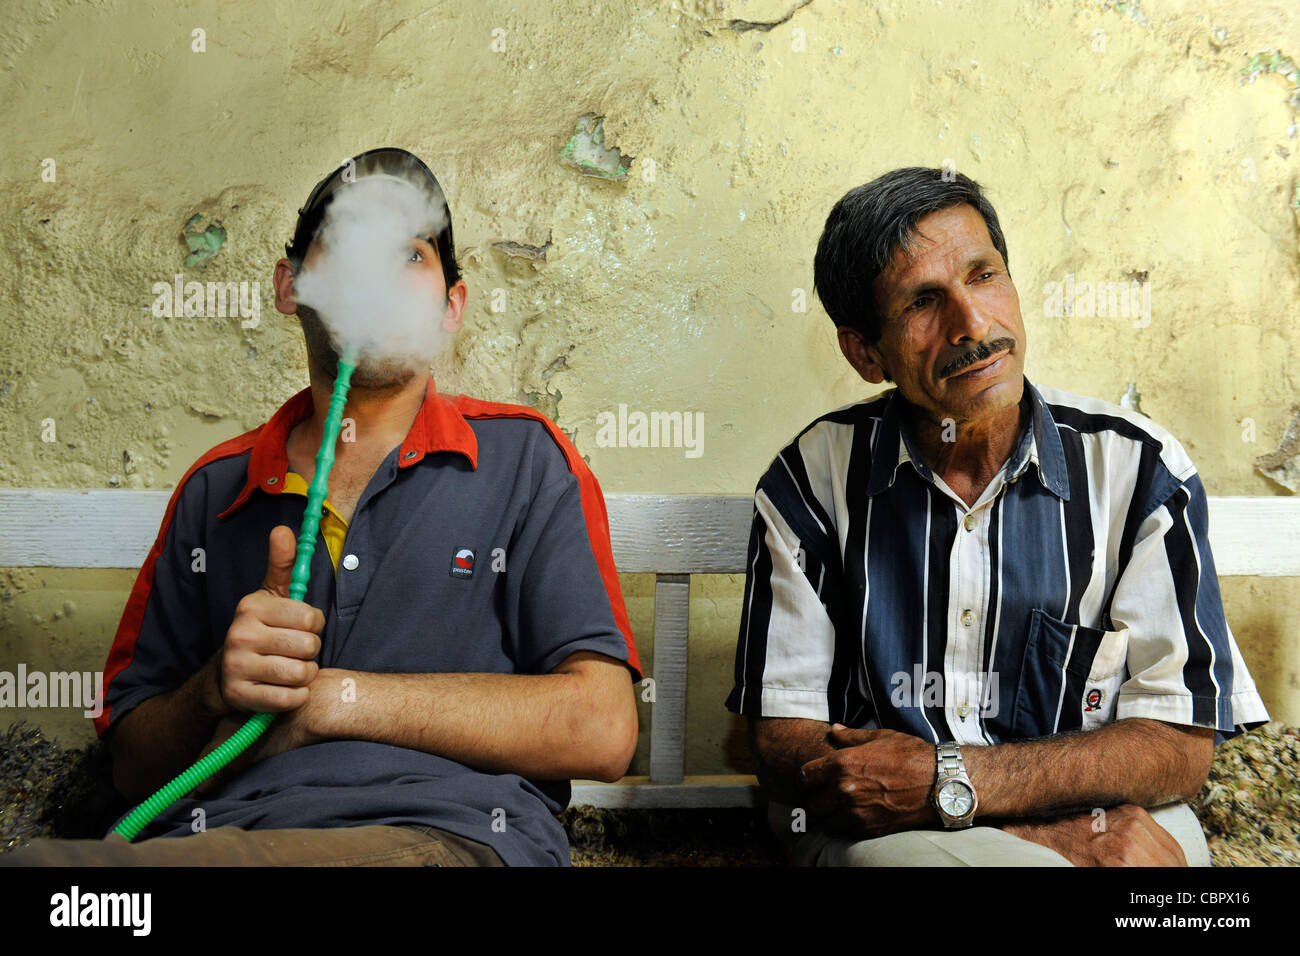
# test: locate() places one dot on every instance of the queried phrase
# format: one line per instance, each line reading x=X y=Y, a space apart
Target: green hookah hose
x=233 y=746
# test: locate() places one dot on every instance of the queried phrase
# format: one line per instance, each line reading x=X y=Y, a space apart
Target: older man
x=970 y=599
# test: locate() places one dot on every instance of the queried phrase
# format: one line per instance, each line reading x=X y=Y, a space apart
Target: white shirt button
x=970 y=521
x=968 y=617
x=963 y=711
x=350 y=561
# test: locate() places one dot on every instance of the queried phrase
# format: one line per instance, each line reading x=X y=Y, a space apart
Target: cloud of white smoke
x=365 y=286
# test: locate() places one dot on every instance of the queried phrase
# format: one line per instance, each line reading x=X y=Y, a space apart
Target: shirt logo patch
x=462 y=563
x=1093 y=700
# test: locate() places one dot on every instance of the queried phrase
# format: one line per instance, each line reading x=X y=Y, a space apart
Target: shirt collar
x=1039 y=443
x=438 y=427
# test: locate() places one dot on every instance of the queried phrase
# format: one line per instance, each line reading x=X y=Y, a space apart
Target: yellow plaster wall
x=1112 y=139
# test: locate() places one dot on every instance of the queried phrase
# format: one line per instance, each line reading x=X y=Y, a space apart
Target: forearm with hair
x=164 y=734
x=579 y=721
x=1139 y=761
x=781 y=746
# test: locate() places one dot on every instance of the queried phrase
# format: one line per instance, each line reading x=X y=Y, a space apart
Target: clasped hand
x=876 y=782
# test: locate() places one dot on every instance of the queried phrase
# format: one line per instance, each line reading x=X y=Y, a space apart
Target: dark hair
x=395 y=162
x=870 y=223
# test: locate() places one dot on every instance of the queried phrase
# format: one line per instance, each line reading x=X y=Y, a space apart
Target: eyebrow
x=908 y=293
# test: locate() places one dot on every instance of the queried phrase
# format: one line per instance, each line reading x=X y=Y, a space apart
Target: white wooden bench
x=671 y=537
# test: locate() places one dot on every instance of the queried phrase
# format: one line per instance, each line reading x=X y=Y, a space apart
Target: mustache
x=978 y=354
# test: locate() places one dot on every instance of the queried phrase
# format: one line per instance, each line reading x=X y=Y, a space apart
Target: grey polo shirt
x=480 y=545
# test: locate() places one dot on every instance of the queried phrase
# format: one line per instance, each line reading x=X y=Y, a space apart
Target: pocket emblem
x=462 y=563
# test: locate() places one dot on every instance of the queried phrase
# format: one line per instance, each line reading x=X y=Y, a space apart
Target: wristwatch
x=953 y=796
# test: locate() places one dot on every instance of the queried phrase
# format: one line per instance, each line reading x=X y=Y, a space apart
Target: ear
x=454 y=317
x=283 y=283
x=864 y=357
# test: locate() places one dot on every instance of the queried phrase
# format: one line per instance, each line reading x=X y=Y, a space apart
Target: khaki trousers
x=977 y=846
x=230 y=846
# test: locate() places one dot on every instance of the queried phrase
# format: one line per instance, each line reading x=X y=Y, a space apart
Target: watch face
x=956 y=798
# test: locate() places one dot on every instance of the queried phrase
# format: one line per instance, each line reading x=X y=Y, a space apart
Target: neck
x=967 y=455
x=381 y=416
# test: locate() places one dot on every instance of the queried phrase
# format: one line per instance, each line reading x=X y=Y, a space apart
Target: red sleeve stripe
x=122 y=652
x=593 y=508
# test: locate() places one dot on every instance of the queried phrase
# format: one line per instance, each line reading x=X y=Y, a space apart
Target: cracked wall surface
x=1115 y=140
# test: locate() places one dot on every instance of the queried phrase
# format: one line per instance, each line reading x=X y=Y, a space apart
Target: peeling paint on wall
x=744 y=26
x=1274 y=61
x=1283 y=465
x=587 y=151
x=203 y=245
x=1131 y=398
x=521 y=250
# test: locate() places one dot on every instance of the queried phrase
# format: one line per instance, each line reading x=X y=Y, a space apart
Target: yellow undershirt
x=332 y=525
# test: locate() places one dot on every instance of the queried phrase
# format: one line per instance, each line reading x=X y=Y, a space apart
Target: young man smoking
x=463 y=650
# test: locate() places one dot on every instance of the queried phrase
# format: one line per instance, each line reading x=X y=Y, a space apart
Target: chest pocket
x=1070 y=677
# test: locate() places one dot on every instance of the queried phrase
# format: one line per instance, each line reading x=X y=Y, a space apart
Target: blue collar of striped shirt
x=1039 y=444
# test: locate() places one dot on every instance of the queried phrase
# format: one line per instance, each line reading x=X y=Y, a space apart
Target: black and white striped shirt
x=1078 y=590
